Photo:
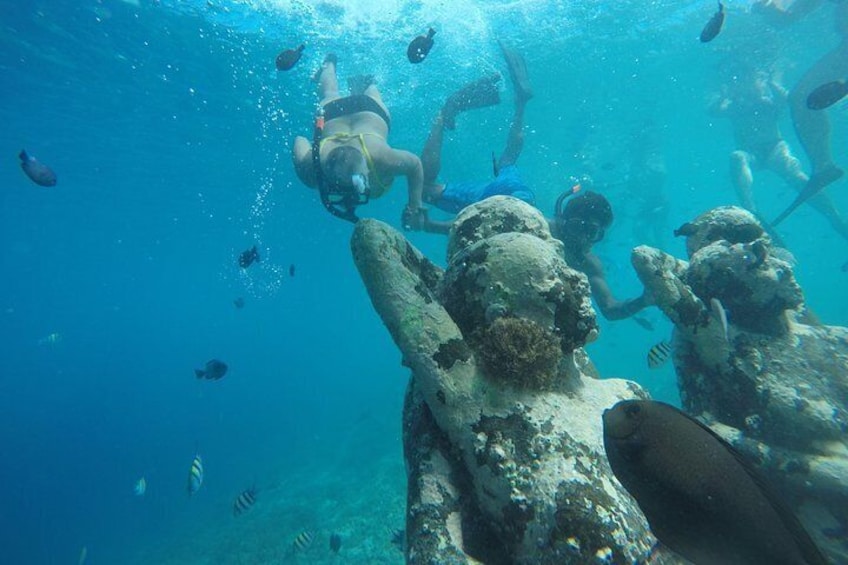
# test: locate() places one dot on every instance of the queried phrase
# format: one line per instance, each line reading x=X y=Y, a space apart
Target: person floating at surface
x=349 y=159
x=753 y=101
x=454 y=196
x=813 y=126
x=580 y=225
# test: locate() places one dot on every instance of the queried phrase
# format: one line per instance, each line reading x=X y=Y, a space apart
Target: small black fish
x=247 y=258
x=420 y=46
x=701 y=498
x=289 y=58
x=827 y=95
x=658 y=354
x=303 y=541
x=686 y=230
x=239 y=302
x=244 y=501
x=335 y=542
x=291 y=270
x=644 y=322
x=38 y=172
x=713 y=27
x=213 y=371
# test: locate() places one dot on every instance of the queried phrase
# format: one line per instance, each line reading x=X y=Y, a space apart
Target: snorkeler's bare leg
x=515 y=138
x=431 y=158
x=813 y=126
x=328 y=82
x=743 y=179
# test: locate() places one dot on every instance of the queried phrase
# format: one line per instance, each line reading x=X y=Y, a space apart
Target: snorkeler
x=580 y=225
x=349 y=159
x=454 y=196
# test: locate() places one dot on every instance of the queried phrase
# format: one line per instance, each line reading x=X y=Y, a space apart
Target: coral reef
x=505 y=456
x=771 y=385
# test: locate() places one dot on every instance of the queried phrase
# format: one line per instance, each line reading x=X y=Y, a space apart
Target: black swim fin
x=517 y=73
x=359 y=84
x=816 y=184
x=478 y=94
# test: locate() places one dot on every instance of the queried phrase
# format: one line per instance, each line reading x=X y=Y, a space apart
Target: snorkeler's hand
x=414 y=219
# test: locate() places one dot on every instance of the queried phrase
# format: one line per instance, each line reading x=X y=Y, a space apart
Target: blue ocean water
x=170 y=131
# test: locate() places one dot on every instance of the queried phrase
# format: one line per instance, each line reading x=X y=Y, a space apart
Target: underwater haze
x=170 y=131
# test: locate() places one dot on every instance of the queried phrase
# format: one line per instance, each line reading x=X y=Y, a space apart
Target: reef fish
x=140 y=487
x=239 y=303
x=246 y=258
x=288 y=58
x=335 y=542
x=713 y=27
x=213 y=370
x=244 y=501
x=195 y=475
x=701 y=498
x=291 y=270
x=420 y=47
x=38 y=172
x=720 y=315
x=827 y=95
x=658 y=354
x=302 y=541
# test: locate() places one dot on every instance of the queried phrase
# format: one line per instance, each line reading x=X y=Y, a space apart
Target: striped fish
x=195 y=475
x=244 y=501
x=658 y=354
x=303 y=541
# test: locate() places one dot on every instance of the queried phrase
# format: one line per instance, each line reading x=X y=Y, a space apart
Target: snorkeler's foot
x=818 y=182
x=518 y=73
x=359 y=83
x=478 y=94
x=330 y=59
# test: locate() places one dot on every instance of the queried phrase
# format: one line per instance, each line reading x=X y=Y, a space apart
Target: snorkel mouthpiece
x=359 y=183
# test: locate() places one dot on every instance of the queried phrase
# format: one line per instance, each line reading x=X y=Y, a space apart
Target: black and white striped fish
x=658 y=354
x=195 y=475
x=303 y=541
x=244 y=501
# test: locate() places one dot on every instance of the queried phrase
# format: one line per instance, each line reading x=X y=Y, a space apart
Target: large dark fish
x=213 y=370
x=289 y=58
x=827 y=95
x=420 y=47
x=38 y=172
x=701 y=498
x=335 y=542
x=246 y=258
x=713 y=27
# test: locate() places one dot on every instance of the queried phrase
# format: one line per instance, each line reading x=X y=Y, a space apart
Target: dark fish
x=713 y=27
x=239 y=302
x=686 y=230
x=289 y=58
x=658 y=354
x=701 y=498
x=399 y=539
x=291 y=270
x=335 y=542
x=213 y=370
x=195 y=475
x=244 y=501
x=420 y=46
x=247 y=258
x=758 y=253
x=644 y=322
x=303 y=541
x=827 y=95
x=38 y=172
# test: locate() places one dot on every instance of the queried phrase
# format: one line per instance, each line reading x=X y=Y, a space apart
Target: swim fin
x=478 y=94
x=816 y=184
x=517 y=73
x=359 y=83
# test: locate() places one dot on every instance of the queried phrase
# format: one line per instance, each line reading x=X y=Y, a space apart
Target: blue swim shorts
x=458 y=195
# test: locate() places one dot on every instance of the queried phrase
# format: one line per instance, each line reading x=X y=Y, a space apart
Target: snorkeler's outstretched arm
x=302 y=159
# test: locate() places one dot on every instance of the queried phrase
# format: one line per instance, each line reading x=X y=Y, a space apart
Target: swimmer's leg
x=743 y=179
x=328 y=82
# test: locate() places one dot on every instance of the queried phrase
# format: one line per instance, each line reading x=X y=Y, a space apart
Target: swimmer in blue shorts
x=454 y=196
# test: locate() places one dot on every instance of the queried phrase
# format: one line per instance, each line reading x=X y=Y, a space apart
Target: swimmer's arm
x=400 y=162
x=302 y=159
x=781 y=17
x=611 y=308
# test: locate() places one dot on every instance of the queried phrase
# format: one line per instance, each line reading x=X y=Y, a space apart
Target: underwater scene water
x=170 y=131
